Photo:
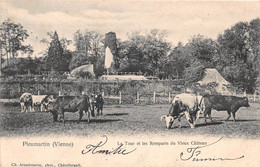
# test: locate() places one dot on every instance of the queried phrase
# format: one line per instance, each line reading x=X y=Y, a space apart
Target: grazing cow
x=70 y=104
x=96 y=102
x=26 y=102
x=41 y=101
x=182 y=104
x=222 y=103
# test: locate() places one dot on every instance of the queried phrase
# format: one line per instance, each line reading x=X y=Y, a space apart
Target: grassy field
x=127 y=120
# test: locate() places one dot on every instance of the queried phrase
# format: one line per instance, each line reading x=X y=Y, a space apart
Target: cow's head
x=28 y=98
x=50 y=99
x=245 y=102
x=168 y=120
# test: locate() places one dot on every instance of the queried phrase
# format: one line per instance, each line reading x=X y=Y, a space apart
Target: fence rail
x=144 y=99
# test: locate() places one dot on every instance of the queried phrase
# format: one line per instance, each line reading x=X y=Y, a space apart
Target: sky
x=182 y=20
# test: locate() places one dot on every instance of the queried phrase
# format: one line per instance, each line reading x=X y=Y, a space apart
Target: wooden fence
x=163 y=98
x=155 y=98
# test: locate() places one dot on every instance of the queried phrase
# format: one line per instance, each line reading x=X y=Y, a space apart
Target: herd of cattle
x=61 y=104
x=190 y=105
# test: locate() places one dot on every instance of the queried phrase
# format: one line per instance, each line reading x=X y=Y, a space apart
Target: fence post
x=38 y=92
x=254 y=96
x=170 y=97
x=120 y=98
x=138 y=99
x=102 y=94
x=154 y=97
x=59 y=93
x=20 y=87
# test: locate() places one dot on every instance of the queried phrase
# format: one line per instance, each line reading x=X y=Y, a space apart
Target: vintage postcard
x=129 y=83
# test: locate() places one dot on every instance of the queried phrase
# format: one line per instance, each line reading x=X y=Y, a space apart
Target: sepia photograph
x=129 y=83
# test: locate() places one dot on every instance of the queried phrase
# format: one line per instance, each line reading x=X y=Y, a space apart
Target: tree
x=239 y=51
x=51 y=35
x=254 y=45
x=12 y=36
x=57 y=59
x=24 y=66
x=203 y=50
x=130 y=55
x=147 y=54
x=89 y=50
x=156 y=50
x=177 y=62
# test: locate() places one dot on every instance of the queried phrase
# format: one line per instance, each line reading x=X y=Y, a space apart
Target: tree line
x=235 y=53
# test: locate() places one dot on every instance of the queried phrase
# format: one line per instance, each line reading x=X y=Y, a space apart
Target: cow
x=182 y=104
x=41 y=101
x=222 y=103
x=96 y=102
x=70 y=104
x=26 y=102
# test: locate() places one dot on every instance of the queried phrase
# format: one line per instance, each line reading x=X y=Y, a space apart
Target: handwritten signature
x=192 y=154
x=95 y=149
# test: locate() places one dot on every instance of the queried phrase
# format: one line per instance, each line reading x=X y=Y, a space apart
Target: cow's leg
x=33 y=107
x=198 y=115
x=234 y=116
x=97 y=107
x=26 y=108
x=55 y=116
x=41 y=107
x=88 y=115
x=209 y=115
x=179 y=119
x=229 y=114
x=46 y=107
x=22 y=107
x=62 y=116
x=194 y=116
x=189 y=119
x=29 y=108
x=80 y=115
x=207 y=112
x=101 y=109
x=92 y=110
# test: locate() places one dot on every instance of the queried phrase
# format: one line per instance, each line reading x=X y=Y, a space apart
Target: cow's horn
x=163 y=117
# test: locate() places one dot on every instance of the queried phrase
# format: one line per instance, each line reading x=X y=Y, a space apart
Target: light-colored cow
x=26 y=102
x=182 y=104
x=42 y=101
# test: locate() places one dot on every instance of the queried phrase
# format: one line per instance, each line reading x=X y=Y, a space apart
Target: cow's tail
x=201 y=105
x=171 y=109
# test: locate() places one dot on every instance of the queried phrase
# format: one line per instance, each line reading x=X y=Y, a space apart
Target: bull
x=231 y=104
x=182 y=104
x=70 y=104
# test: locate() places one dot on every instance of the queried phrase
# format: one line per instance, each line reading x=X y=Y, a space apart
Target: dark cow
x=222 y=103
x=182 y=104
x=70 y=104
x=96 y=102
x=26 y=102
x=99 y=104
